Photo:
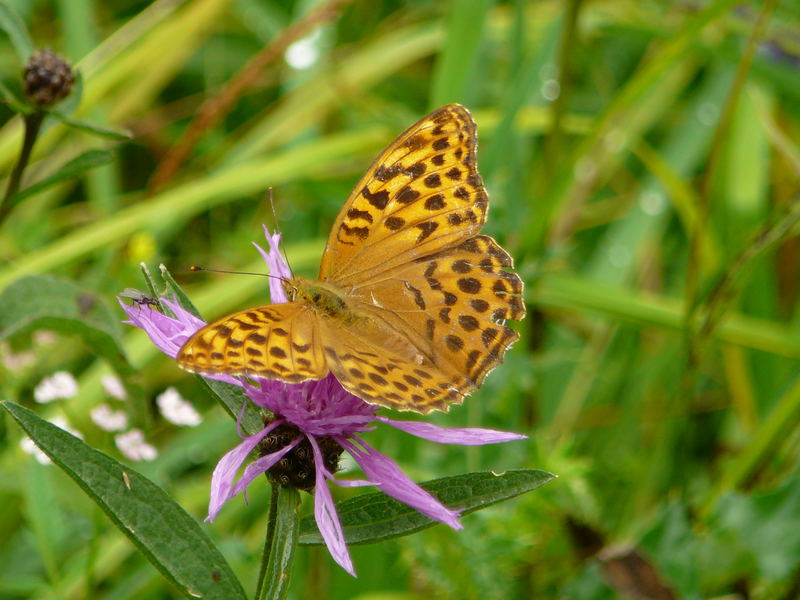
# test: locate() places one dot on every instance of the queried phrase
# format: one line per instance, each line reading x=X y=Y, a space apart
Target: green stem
x=282 y=536
x=774 y=431
x=695 y=263
x=723 y=293
x=273 y=514
x=560 y=104
x=33 y=123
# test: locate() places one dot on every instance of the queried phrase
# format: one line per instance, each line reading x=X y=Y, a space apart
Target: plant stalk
x=33 y=123
x=273 y=514
x=285 y=534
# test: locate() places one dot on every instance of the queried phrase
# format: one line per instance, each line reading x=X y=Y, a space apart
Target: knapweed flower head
x=47 y=78
x=309 y=425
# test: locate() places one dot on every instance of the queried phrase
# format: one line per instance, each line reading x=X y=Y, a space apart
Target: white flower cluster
x=132 y=445
x=176 y=410
x=108 y=419
x=62 y=385
x=59 y=386
x=29 y=446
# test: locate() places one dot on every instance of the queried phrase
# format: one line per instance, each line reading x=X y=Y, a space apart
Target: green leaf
x=235 y=403
x=457 y=61
x=104 y=132
x=151 y=284
x=173 y=286
x=169 y=537
x=375 y=517
x=73 y=100
x=38 y=302
x=763 y=523
x=14 y=26
x=80 y=164
x=14 y=101
x=284 y=543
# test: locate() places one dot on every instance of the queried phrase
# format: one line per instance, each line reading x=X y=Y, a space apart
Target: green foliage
x=16 y=31
x=370 y=518
x=77 y=166
x=169 y=537
x=642 y=163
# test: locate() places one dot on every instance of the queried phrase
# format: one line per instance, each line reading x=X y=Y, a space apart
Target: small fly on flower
x=140 y=298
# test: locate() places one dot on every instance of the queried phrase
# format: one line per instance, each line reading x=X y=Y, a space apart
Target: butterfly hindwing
x=383 y=368
x=276 y=341
x=452 y=306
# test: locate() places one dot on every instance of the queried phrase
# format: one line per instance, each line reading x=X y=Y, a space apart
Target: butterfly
x=411 y=301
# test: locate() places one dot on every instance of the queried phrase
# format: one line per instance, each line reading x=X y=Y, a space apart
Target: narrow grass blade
x=14 y=26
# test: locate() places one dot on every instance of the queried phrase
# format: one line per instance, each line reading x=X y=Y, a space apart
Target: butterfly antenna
x=282 y=246
x=196 y=268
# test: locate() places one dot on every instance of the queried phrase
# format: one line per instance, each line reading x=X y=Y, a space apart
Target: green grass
x=650 y=209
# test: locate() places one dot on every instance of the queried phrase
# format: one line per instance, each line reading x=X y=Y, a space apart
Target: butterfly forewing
x=423 y=193
x=277 y=341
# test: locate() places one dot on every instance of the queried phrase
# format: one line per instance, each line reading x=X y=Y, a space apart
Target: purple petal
x=326 y=517
x=168 y=334
x=262 y=465
x=392 y=481
x=321 y=407
x=348 y=483
x=225 y=471
x=467 y=436
x=266 y=393
x=278 y=267
x=190 y=322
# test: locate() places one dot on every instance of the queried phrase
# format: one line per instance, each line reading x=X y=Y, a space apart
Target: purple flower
x=312 y=423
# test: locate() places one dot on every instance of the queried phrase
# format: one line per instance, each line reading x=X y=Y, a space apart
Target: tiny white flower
x=108 y=419
x=177 y=410
x=15 y=361
x=113 y=387
x=44 y=337
x=60 y=385
x=30 y=447
x=133 y=446
x=62 y=423
x=303 y=53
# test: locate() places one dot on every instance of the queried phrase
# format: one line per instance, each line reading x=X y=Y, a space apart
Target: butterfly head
x=322 y=297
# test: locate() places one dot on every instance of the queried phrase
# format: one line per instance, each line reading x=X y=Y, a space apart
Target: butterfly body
x=410 y=305
x=324 y=298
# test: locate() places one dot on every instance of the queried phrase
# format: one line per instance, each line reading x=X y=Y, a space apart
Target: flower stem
x=280 y=543
x=33 y=123
x=273 y=514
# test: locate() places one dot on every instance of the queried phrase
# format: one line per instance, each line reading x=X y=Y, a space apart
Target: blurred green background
x=643 y=165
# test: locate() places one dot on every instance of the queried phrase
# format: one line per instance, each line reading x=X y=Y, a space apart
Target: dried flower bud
x=47 y=78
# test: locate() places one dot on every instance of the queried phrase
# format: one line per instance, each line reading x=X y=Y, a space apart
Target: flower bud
x=297 y=469
x=47 y=78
